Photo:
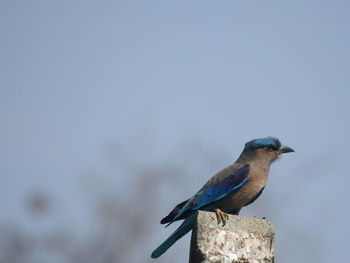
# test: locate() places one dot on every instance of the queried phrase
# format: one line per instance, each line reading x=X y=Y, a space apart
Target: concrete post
x=241 y=240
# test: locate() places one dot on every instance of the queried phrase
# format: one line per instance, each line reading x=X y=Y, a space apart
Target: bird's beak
x=285 y=149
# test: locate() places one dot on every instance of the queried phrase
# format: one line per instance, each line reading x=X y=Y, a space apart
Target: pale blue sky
x=77 y=75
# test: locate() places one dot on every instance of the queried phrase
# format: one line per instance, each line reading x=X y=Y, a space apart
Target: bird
x=230 y=189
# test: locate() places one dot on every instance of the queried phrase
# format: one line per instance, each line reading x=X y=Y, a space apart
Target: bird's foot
x=221 y=216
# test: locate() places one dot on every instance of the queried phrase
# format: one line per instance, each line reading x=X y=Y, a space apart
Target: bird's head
x=268 y=148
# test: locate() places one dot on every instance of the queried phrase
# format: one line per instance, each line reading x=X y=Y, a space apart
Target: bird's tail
x=183 y=229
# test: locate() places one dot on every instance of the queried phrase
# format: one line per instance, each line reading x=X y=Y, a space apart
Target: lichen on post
x=241 y=240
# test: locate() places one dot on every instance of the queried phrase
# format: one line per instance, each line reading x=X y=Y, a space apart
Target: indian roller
x=230 y=189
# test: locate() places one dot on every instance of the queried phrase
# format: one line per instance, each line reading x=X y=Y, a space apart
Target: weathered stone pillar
x=241 y=240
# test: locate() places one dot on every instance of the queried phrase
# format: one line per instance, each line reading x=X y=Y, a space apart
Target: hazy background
x=112 y=112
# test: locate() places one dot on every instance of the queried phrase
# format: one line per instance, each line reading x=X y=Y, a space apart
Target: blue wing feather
x=215 y=192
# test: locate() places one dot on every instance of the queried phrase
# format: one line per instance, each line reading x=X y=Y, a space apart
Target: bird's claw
x=221 y=216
